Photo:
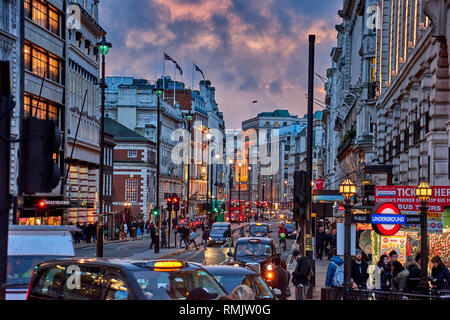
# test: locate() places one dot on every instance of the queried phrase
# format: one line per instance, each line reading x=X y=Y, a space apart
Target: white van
x=28 y=246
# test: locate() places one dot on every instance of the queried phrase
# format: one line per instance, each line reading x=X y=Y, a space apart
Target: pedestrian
x=383 y=274
x=413 y=266
x=333 y=242
x=335 y=277
x=183 y=238
x=227 y=235
x=396 y=265
x=163 y=235
x=279 y=280
x=288 y=280
x=192 y=237
x=243 y=292
x=142 y=227
x=152 y=231
x=242 y=233
x=440 y=276
x=205 y=237
x=302 y=273
x=359 y=271
x=125 y=230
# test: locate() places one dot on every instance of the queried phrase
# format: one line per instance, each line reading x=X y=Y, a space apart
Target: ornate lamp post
x=348 y=190
x=424 y=192
x=189 y=120
x=103 y=47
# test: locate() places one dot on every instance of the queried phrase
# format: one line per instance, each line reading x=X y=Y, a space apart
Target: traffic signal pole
x=158 y=142
x=5 y=199
x=309 y=252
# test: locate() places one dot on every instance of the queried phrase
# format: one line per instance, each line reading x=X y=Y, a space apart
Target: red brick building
x=134 y=180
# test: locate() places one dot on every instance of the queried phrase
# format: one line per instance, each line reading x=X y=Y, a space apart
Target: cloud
x=248 y=49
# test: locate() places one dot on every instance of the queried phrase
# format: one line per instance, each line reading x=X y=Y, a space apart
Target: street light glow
x=424 y=191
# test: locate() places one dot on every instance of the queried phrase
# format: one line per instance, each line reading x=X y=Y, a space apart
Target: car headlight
x=269 y=267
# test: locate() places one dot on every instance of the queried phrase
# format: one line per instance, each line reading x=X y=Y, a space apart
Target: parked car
x=216 y=234
x=102 y=279
x=254 y=253
x=230 y=277
x=259 y=230
x=28 y=246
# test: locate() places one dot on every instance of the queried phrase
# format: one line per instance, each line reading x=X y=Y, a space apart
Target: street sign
x=388 y=225
x=361 y=218
x=388 y=219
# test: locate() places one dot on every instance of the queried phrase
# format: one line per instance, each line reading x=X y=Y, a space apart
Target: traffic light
x=169 y=204
x=42 y=204
x=300 y=195
x=176 y=203
x=155 y=212
x=38 y=171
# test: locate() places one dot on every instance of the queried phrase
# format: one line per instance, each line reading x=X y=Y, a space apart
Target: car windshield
x=220 y=230
x=175 y=285
x=231 y=281
x=20 y=268
x=255 y=229
x=253 y=249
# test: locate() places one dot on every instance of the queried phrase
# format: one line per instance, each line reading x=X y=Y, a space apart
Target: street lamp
x=348 y=190
x=424 y=192
x=189 y=120
x=103 y=47
x=230 y=183
x=158 y=165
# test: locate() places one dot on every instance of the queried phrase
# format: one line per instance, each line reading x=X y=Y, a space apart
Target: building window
x=42 y=63
x=43 y=14
x=132 y=154
x=46 y=110
x=131 y=190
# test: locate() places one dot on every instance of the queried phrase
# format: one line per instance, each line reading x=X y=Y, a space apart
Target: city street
x=138 y=249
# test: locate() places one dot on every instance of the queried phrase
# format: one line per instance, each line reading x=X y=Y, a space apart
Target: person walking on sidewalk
x=321 y=242
x=163 y=235
x=205 y=237
x=152 y=231
x=192 y=237
x=303 y=271
x=335 y=277
x=333 y=242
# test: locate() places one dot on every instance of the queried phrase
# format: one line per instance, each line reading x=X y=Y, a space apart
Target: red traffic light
x=169 y=199
x=175 y=200
x=42 y=204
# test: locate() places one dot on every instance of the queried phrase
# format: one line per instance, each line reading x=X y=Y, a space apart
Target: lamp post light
x=424 y=192
x=189 y=120
x=208 y=177
x=103 y=47
x=158 y=165
x=239 y=192
x=348 y=190
x=230 y=183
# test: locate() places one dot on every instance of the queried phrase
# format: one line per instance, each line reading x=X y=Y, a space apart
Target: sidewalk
x=83 y=245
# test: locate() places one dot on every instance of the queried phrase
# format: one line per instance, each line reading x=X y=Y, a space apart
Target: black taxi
x=254 y=253
x=103 y=279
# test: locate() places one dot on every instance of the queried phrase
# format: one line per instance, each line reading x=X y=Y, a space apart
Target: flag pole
x=164 y=76
x=193 y=75
x=174 y=83
x=156 y=62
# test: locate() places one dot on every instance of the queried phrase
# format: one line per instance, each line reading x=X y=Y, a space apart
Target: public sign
x=390 y=224
x=405 y=199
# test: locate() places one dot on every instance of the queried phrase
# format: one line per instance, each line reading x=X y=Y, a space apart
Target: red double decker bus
x=237 y=211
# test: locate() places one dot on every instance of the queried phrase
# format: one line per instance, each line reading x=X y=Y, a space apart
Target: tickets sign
x=404 y=198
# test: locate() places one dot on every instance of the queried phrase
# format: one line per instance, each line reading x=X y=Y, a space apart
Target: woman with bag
x=440 y=276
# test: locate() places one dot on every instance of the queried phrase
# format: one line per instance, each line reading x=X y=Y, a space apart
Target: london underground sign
x=386 y=219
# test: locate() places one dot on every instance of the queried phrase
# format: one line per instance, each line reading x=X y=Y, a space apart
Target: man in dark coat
x=303 y=272
x=321 y=242
x=152 y=231
x=279 y=278
x=359 y=271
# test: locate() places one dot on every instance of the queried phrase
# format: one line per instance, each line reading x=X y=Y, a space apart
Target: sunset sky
x=249 y=49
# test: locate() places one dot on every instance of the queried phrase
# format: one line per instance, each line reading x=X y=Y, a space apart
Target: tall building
x=10 y=48
x=82 y=116
x=274 y=184
x=351 y=113
x=44 y=86
x=132 y=103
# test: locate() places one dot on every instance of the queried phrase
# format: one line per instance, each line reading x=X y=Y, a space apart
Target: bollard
x=299 y=292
